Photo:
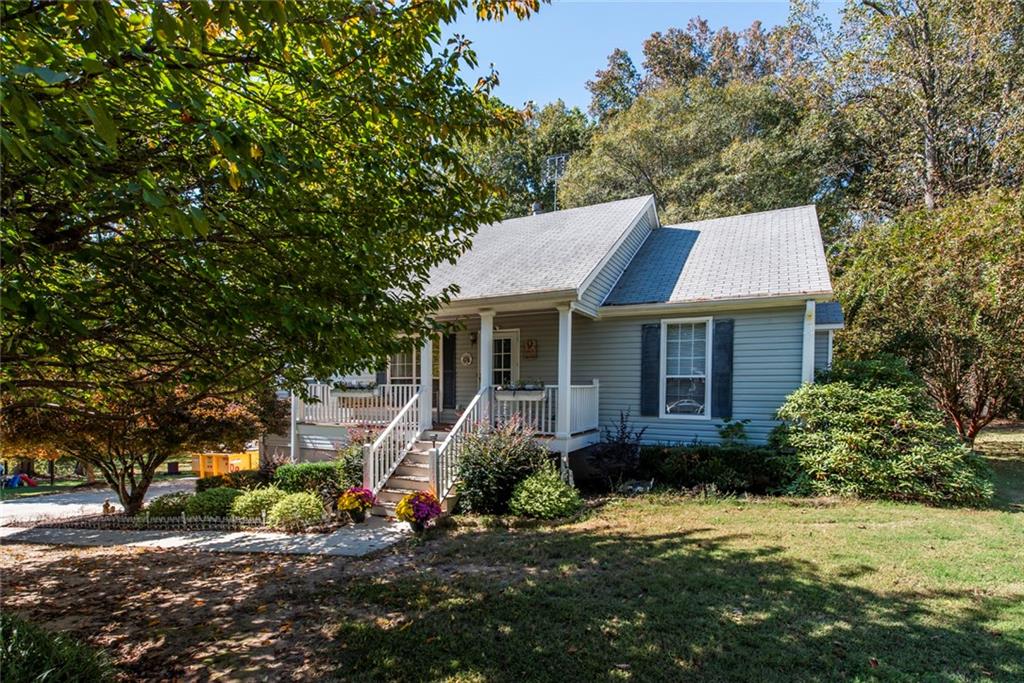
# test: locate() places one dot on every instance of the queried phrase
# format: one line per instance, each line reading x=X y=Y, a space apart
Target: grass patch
x=664 y=588
x=59 y=486
x=29 y=654
x=1003 y=448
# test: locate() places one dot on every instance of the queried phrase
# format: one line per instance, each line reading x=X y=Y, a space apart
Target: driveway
x=77 y=503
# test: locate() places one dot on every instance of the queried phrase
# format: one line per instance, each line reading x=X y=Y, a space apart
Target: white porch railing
x=385 y=454
x=377 y=406
x=542 y=414
x=444 y=459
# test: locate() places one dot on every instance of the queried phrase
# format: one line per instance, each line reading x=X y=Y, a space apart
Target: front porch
x=493 y=367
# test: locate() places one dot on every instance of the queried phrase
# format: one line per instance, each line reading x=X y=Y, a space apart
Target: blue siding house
x=565 y=319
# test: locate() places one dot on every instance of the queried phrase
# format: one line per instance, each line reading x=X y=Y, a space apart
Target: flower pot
x=519 y=395
x=418 y=527
x=358 y=516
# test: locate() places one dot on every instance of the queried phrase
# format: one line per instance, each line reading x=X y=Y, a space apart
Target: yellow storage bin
x=213 y=464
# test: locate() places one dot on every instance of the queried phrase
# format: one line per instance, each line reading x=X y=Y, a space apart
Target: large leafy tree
x=615 y=87
x=705 y=150
x=933 y=90
x=210 y=197
x=228 y=192
x=515 y=160
x=944 y=290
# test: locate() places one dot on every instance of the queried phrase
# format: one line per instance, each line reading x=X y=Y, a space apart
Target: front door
x=506 y=357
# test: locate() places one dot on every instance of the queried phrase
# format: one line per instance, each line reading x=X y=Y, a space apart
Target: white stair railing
x=444 y=460
x=385 y=454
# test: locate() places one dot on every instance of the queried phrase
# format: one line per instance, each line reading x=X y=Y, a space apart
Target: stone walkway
x=351 y=541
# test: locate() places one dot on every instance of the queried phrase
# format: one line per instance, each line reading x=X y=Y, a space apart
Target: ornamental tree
x=128 y=439
x=944 y=291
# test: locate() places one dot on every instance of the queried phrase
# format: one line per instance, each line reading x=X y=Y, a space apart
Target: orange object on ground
x=213 y=464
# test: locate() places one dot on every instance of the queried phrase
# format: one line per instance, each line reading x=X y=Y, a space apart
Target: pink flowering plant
x=419 y=507
x=356 y=498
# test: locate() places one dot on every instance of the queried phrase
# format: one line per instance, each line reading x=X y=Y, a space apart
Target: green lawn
x=663 y=588
x=59 y=486
x=1003 y=447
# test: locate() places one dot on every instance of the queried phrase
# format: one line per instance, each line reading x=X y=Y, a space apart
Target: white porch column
x=562 y=422
x=427 y=384
x=486 y=348
x=293 y=430
x=807 y=366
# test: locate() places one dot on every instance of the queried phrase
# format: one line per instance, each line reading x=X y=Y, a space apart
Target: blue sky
x=554 y=53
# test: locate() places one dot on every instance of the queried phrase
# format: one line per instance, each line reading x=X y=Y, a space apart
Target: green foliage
x=545 y=496
x=350 y=462
x=877 y=443
x=164 y=163
x=493 y=462
x=726 y=468
x=701 y=150
x=256 y=503
x=169 y=504
x=296 y=511
x=30 y=654
x=515 y=161
x=243 y=480
x=944 y=291
x=212 y=502
x=325 y=479
x=614 y=88
x=880 y=371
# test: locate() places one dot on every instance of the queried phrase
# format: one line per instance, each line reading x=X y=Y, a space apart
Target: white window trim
x=707 y=367
x=512 y=334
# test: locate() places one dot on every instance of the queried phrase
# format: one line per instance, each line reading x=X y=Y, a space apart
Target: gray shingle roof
x=772 y=253
x=548 y=252
x=828 y=313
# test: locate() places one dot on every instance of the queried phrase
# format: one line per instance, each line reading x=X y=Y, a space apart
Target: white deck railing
x=385 y=454
x=444 y=460
x=541 y=414
x=377 y=406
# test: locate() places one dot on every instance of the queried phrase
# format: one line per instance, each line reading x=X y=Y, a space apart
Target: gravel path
x=76 y=503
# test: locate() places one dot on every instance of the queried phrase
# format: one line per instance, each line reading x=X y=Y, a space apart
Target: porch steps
x=411 y=475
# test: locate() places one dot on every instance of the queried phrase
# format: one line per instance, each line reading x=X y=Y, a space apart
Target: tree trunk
x=50 y=467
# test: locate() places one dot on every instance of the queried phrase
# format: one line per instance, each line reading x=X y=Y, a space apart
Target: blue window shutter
x=382 y=376
x=721 y=369
x=650 y=370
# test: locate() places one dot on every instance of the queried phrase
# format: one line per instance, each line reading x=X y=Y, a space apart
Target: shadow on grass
x=1003 y=449
x=571 y=605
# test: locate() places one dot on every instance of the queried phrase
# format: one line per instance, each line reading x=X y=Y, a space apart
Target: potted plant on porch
x=356 y=501
x=356 y=389
x=520 y=391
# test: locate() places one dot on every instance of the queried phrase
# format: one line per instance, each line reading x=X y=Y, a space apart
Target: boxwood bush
x=212 y=503
x=882 y=442
x=296 y=511
x=30 y=653
x=545 y=496
x=242 y=479
x=256 y=503
x=169 y=504
x=493 y=462
x=325 y=479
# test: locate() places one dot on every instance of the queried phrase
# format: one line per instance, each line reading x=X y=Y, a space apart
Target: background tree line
x=904 y=124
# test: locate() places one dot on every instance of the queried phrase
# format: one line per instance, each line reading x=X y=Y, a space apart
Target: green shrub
x=30 y=653
x=883 y=442
x=212 y=503
x=730 y=469
x=493 y=462
x=169 y=504
x=296 y=511
x=244 y=480
x=326 y=479
x=350 y=460
x=874 y=373
x=256 y=503
x=545 y=496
